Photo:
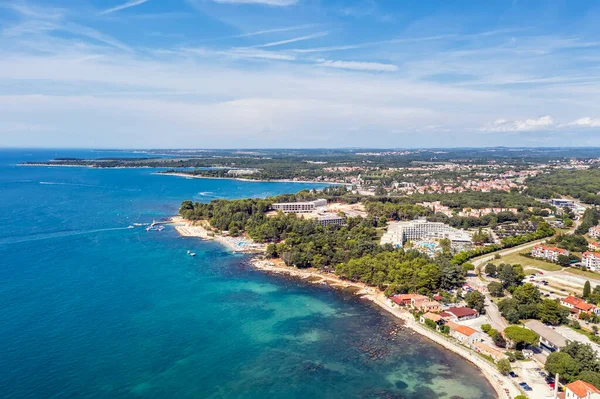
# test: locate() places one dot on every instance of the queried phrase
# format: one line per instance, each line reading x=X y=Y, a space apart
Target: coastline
x=249 y=180
x=496 y=380
x=235 y=244
x=313 y=276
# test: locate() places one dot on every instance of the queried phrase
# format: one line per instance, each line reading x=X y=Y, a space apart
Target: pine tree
x=587 y=289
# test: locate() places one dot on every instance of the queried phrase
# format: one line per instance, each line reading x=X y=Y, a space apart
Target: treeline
x=527 y=303
x=581 y=184
x=576 y=361
x=403 y=272
x=543 y=230
x=305 y=243
x=478 y=200
x=395 y=210
x=240 y=215
x=589 y=219
x=570 y=242
x=406 y=208
x=299 y=242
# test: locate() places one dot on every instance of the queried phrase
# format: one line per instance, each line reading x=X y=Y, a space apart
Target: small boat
x=138 y=224
x=131 y=227
x=149 y=228
x=189 y=251
x=160 y=228
x=192 y=254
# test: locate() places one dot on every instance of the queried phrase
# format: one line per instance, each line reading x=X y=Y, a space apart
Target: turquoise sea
x=91 y=309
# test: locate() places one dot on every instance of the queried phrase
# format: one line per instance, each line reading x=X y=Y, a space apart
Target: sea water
x=92 y=309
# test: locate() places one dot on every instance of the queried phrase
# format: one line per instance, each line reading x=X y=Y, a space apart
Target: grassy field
x=585 y=273
x=515 y=258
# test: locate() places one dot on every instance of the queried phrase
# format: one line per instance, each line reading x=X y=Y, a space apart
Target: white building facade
x=400 y=232
x=300 y=207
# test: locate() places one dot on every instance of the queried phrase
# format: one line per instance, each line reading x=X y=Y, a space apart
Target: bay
x=92 y=309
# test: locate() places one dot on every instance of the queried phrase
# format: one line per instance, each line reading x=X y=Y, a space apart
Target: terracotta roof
x=578 y=303
x=589 y=254
x=581 y=388
x=445 y=315
x=495 y=353
x=432 y=316
x=464 y=330
x=547 y=248
x=461 y=312
x=406 y=297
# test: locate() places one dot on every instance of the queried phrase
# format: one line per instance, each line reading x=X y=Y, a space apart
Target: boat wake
x=55 y=183
x=48 y=236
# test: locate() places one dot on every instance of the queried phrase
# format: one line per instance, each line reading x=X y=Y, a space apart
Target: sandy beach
x=248 y=180
x=498 y=381
x=202 y=230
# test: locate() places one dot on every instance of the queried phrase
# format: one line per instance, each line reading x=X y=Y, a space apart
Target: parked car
x=512 y=374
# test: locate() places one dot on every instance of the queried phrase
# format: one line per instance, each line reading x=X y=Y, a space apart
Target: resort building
x=459 y=314
x=578 y=305
x=400 y=232
x=594 y=232
x=464 y=334
x=548 y=253
x=591 y=260
x=550 y=340
x=330 y=219
x=581 y=390
x=300 y=207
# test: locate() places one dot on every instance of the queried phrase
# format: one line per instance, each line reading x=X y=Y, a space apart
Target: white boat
x=131 y=227
x=192 y=254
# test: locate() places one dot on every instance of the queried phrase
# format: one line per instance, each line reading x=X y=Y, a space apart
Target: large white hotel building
x=400 y=232
x=300 y=207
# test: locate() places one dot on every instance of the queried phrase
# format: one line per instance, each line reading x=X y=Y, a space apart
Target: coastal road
x=474 y=281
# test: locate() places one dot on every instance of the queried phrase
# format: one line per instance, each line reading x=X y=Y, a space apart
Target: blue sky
x=299 y=73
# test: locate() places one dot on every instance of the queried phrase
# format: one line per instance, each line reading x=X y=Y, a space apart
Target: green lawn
x=516 y=258
x=586 y=273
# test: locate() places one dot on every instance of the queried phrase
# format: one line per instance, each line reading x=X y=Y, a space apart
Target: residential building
x=300 y=207
x=464 y=334
x=591 y=260
x=488 y=350
x=400 y=232
x=594 y=246
x=578 y=305
x=436 y=318
x=581 y=390
x=425 y=305
x=406 y=299
x=456 y=314
x=594 y=232
x=548 y=253
x=330 y=219
x=550 y=340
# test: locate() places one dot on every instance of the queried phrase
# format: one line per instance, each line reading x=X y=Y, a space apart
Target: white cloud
x=296 y=39
x=585 y=122
x=242 y=53
x=131 y=3
x=359 y=66
x=274 y=30
x=280 y=3
x=503 y=125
